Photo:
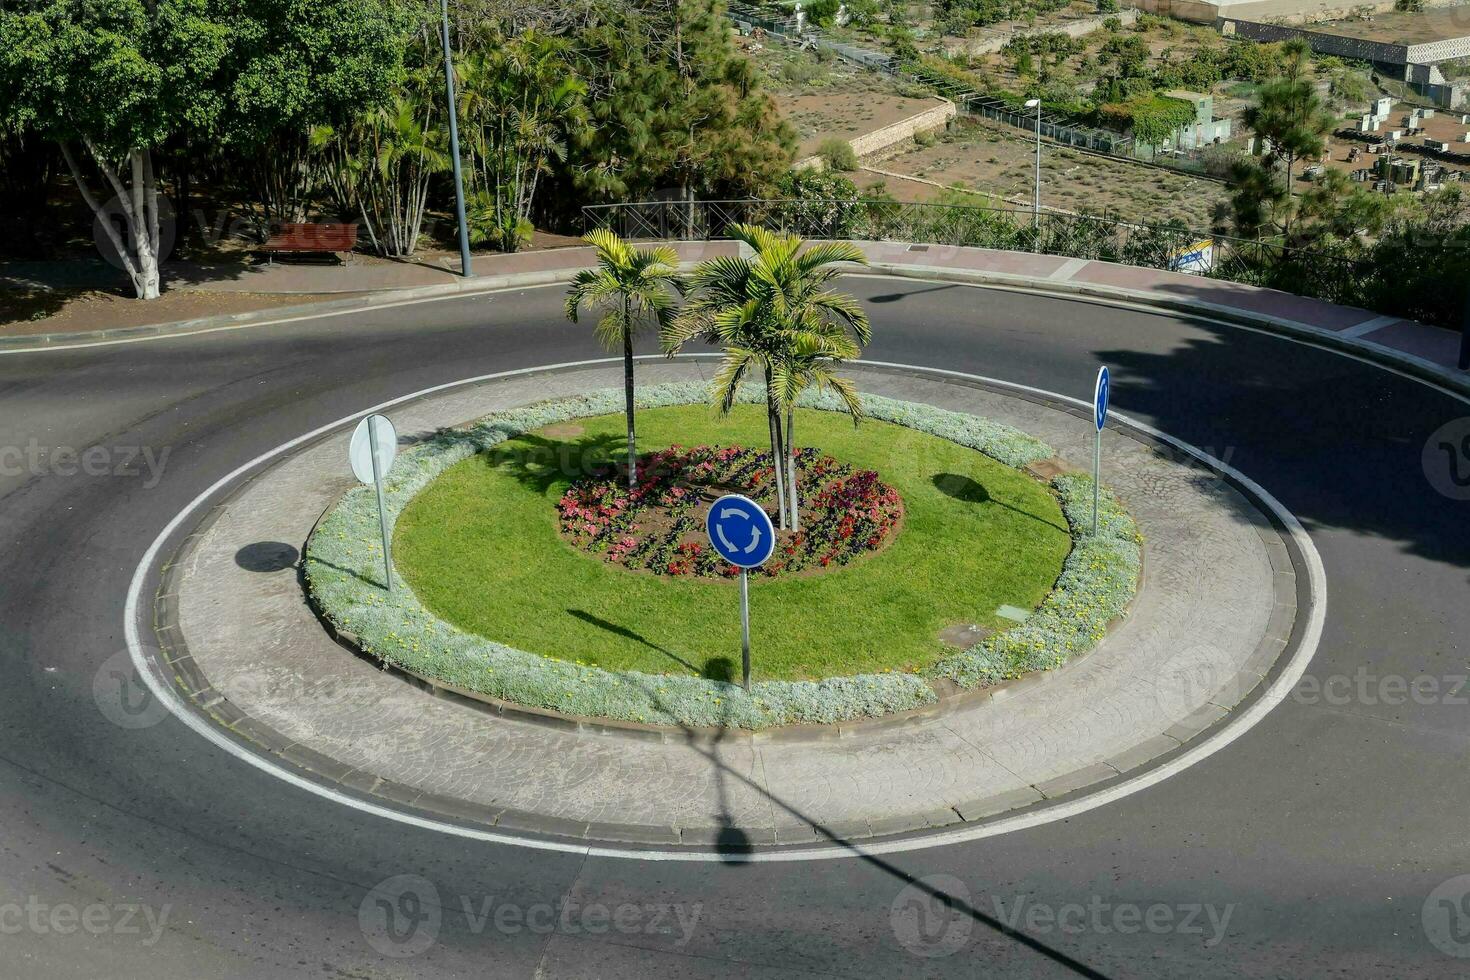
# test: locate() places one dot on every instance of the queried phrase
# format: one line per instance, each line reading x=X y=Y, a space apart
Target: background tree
x=27 y=165
x=1337 y=208
x=297 y=65
x=381 y=166
x=1292 y=123
x=674 y=106
x=632 y=287
x=521 y=104
x=111 y=83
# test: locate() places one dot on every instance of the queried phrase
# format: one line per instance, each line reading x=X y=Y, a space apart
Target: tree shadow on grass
x=967 y=490
x=539 y=462
x=628 y=634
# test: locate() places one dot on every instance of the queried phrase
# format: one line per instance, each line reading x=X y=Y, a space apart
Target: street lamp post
x=464 y=231
x=1036 y=203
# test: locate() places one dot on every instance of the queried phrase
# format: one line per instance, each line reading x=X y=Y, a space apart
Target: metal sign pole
x=1096 y=477
x=732 y=521
x=382 y=512
x=745 y=628
x=1100 y=397
x=464 y=232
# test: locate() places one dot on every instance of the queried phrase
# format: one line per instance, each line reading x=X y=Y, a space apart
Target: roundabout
x=1216 y=610
x=853 y=592
x=1343 y=810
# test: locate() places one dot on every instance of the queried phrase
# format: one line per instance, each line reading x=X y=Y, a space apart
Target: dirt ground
x=1446 y=127
x=1402 y=27
x=826 y=97
x=843 y=115
x=1001 y=166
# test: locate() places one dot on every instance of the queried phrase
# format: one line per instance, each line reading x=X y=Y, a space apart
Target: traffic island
x=1215 y=609
x=842 y=631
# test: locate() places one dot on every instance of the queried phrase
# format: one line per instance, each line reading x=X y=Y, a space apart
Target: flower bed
x=343 y=567
x=658 y=526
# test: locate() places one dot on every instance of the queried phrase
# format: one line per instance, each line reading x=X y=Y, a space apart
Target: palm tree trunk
x=628 y=395
x=791 y=469
x=773 y=421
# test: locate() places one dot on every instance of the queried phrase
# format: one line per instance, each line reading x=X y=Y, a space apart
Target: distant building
x=1205 y=129
x=1404 y=45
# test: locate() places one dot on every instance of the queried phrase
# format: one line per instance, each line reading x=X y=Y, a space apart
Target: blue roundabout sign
x=741 y=531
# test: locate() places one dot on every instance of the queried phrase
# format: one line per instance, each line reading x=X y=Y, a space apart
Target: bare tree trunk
x=688 y=211
x=773 y=421
x=791 y=468
x=139 y=206
x=628 y=395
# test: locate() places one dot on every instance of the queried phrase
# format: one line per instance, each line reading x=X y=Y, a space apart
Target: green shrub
x=838 y=154
x=1098 y=581
x=816 y=185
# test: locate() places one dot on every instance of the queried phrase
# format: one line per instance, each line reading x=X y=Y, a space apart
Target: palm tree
x=813 y=363
x=774 y=313
x=382 y=166
x=520 y=102
x=631 y=286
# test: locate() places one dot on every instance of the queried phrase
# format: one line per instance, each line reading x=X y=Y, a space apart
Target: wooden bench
x=312 y=239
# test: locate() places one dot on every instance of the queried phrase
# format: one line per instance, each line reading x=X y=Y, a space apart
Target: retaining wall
x=868 y=144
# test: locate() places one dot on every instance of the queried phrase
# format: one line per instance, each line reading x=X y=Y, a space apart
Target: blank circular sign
x=360 y=452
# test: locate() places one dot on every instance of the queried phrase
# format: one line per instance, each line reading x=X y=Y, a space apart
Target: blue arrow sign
x=1100 y=398
x=741 y=531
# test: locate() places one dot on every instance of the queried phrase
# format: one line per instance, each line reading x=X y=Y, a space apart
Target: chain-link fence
x=1332 y=277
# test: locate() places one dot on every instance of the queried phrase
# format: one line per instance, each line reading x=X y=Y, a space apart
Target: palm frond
x=828 y=253
x=725 y=385
x=610 y=330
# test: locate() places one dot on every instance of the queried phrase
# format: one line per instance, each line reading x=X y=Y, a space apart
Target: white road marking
x=1238 y=725
x=1068 y=269
x=1368 y=326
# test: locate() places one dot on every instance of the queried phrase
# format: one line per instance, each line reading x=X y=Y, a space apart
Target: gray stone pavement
x=1215 y=608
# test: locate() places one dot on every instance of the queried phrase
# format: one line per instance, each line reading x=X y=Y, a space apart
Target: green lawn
x=480 y=547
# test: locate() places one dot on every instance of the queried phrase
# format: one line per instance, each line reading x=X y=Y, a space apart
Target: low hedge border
x=343 y=568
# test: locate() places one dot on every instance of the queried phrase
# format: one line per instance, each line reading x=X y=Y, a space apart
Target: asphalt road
x=1306 y=848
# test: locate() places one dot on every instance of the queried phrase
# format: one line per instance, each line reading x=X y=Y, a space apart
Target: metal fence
x=1332 y=277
